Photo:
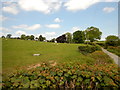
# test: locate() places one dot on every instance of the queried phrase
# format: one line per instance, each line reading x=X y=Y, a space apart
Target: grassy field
x=18 y=53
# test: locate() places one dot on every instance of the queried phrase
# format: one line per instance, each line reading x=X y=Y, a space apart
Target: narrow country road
x=113 y=56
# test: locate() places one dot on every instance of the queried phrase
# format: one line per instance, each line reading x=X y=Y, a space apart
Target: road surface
x=113 y=56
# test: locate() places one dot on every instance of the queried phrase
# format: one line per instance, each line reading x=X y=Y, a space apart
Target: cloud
x=23 y=26
x=57 y=20
x=108 y=9
x=3 y=29
x=1 y=34
x=3 y=18
x=72 y=30
x=54 y=26
x=75 y=29
x=20 y=32
x=111 y=0
x=49 y=35
x=26 y=27
x=44 y=6
x=34 y=27
x=75 y=5
x=11 y=9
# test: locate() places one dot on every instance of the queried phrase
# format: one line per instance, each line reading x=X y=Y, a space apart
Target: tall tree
x=41 y=38
x=93 y=33
x=8 y=35
x=68 y=37
x=44 y=38
x=3 y=37
x=78 y=37
x=32 y=37
x=23 y=36
x=27 y=37
x=52 y=40
x=61 y=39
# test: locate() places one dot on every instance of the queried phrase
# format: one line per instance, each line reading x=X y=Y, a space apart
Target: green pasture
x=18 y=53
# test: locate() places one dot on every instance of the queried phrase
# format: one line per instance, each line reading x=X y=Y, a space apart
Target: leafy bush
x=90 y=43
x=115 y=50
x=66 y=75
x=101 y=43
x=111 y=43
x=101 y=57
x=88 y=49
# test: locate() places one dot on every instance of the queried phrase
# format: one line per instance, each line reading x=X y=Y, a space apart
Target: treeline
x=25 y=37
x=91 y=34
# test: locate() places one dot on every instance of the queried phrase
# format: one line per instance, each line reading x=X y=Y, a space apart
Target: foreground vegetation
x=66 y=75
x=115 y=50
x=59 y=65
x=19 y=53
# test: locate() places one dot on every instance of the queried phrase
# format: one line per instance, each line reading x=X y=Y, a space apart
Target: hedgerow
x=101 y=44
x=88 y=49
x=66 y=75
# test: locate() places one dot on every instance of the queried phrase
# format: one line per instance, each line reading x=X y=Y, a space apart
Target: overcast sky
x=52 y=18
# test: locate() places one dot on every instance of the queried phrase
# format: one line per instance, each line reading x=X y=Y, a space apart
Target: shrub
x=66 y=75
x=111 y=43
x=90 y=43
x=101 y=43
x=115 y=50
x=88 y=49
x=101 y=57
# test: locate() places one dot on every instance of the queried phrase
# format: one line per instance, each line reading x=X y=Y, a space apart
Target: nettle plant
x=66 y=75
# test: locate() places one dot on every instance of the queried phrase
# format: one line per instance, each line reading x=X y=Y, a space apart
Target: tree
x=23 y=36
x=61 y=39
x=78 y=37
x=3 y=37
x=68 y=37
x=44 y=38
x=27 y=37
x=36 y=38
x=52 y=40
x=112 y=40
x=93 y=33
x=8 y=35
x=41 y=38
x=32 y=37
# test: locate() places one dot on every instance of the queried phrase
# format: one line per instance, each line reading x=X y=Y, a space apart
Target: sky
x=52 y=18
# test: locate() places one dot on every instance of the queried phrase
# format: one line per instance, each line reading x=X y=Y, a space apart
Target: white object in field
x=55 y=41
x=36 y=54
x=45 y=40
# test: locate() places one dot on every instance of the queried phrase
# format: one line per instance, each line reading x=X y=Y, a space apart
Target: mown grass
x=19 y=53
